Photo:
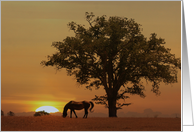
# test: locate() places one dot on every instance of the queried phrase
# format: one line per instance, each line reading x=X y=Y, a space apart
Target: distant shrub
x=10 y=113
x=40 y=113
x=37 y=114
x=2 y=113
x=156 y=116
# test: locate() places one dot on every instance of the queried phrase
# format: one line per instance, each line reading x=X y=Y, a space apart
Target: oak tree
x=113 y=54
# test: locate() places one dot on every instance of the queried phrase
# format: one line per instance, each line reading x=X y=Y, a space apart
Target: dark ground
x=58 y=123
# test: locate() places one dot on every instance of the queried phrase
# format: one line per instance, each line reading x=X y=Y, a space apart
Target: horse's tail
x=92 y=105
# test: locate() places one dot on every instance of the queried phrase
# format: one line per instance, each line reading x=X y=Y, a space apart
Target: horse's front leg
x=71 y=114
x=74 y=113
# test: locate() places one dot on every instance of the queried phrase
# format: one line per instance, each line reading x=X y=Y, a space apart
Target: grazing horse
x=72 y=105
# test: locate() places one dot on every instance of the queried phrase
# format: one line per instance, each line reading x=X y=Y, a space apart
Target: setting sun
x=49 y=109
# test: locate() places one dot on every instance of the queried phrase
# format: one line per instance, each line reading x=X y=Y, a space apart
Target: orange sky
x=28 y=30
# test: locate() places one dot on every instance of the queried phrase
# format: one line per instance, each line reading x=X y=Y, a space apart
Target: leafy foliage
x=41 y=113
x=113 y=53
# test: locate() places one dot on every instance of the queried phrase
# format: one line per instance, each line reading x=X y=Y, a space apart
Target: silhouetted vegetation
x=2 y=113
x=114 y=55
x=41 y=113
x=155 y=116
x=10 y=113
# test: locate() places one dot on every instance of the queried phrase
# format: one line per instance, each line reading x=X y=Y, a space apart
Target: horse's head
x=65 y=111
x=64 y=114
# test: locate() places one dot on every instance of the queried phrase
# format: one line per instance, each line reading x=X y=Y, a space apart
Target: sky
x=28 y=29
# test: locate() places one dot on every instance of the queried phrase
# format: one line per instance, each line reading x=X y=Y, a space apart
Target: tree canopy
x=113 y=54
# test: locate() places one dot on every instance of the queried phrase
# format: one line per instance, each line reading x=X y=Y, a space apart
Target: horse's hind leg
x=86 y=113
x=74 y=113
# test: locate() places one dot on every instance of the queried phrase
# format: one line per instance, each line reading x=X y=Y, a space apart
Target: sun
x=48 y=109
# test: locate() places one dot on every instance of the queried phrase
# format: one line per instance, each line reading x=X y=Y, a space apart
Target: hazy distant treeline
x=146 y=113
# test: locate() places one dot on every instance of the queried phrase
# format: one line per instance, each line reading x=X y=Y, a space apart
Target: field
x=57 y=123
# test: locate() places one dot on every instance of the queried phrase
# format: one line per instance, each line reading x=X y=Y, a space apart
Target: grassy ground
x=58 y=123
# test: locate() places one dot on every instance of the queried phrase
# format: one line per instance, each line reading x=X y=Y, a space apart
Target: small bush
x=37 y=114
x=10 y=113
x=40 y=113
x=2 y=113
x=156 y=116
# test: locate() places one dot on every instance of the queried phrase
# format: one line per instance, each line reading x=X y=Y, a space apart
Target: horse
x=73 y=105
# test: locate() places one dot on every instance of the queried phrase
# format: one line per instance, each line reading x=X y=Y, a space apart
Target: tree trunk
x=112 y=107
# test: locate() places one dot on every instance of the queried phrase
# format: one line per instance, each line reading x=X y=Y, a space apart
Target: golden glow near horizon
x=28 y=29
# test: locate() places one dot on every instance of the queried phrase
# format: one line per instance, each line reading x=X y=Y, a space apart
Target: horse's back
x=81 y=102
x=76 y=105
x=75 y=102
x=79 y=105
x=86 y=102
